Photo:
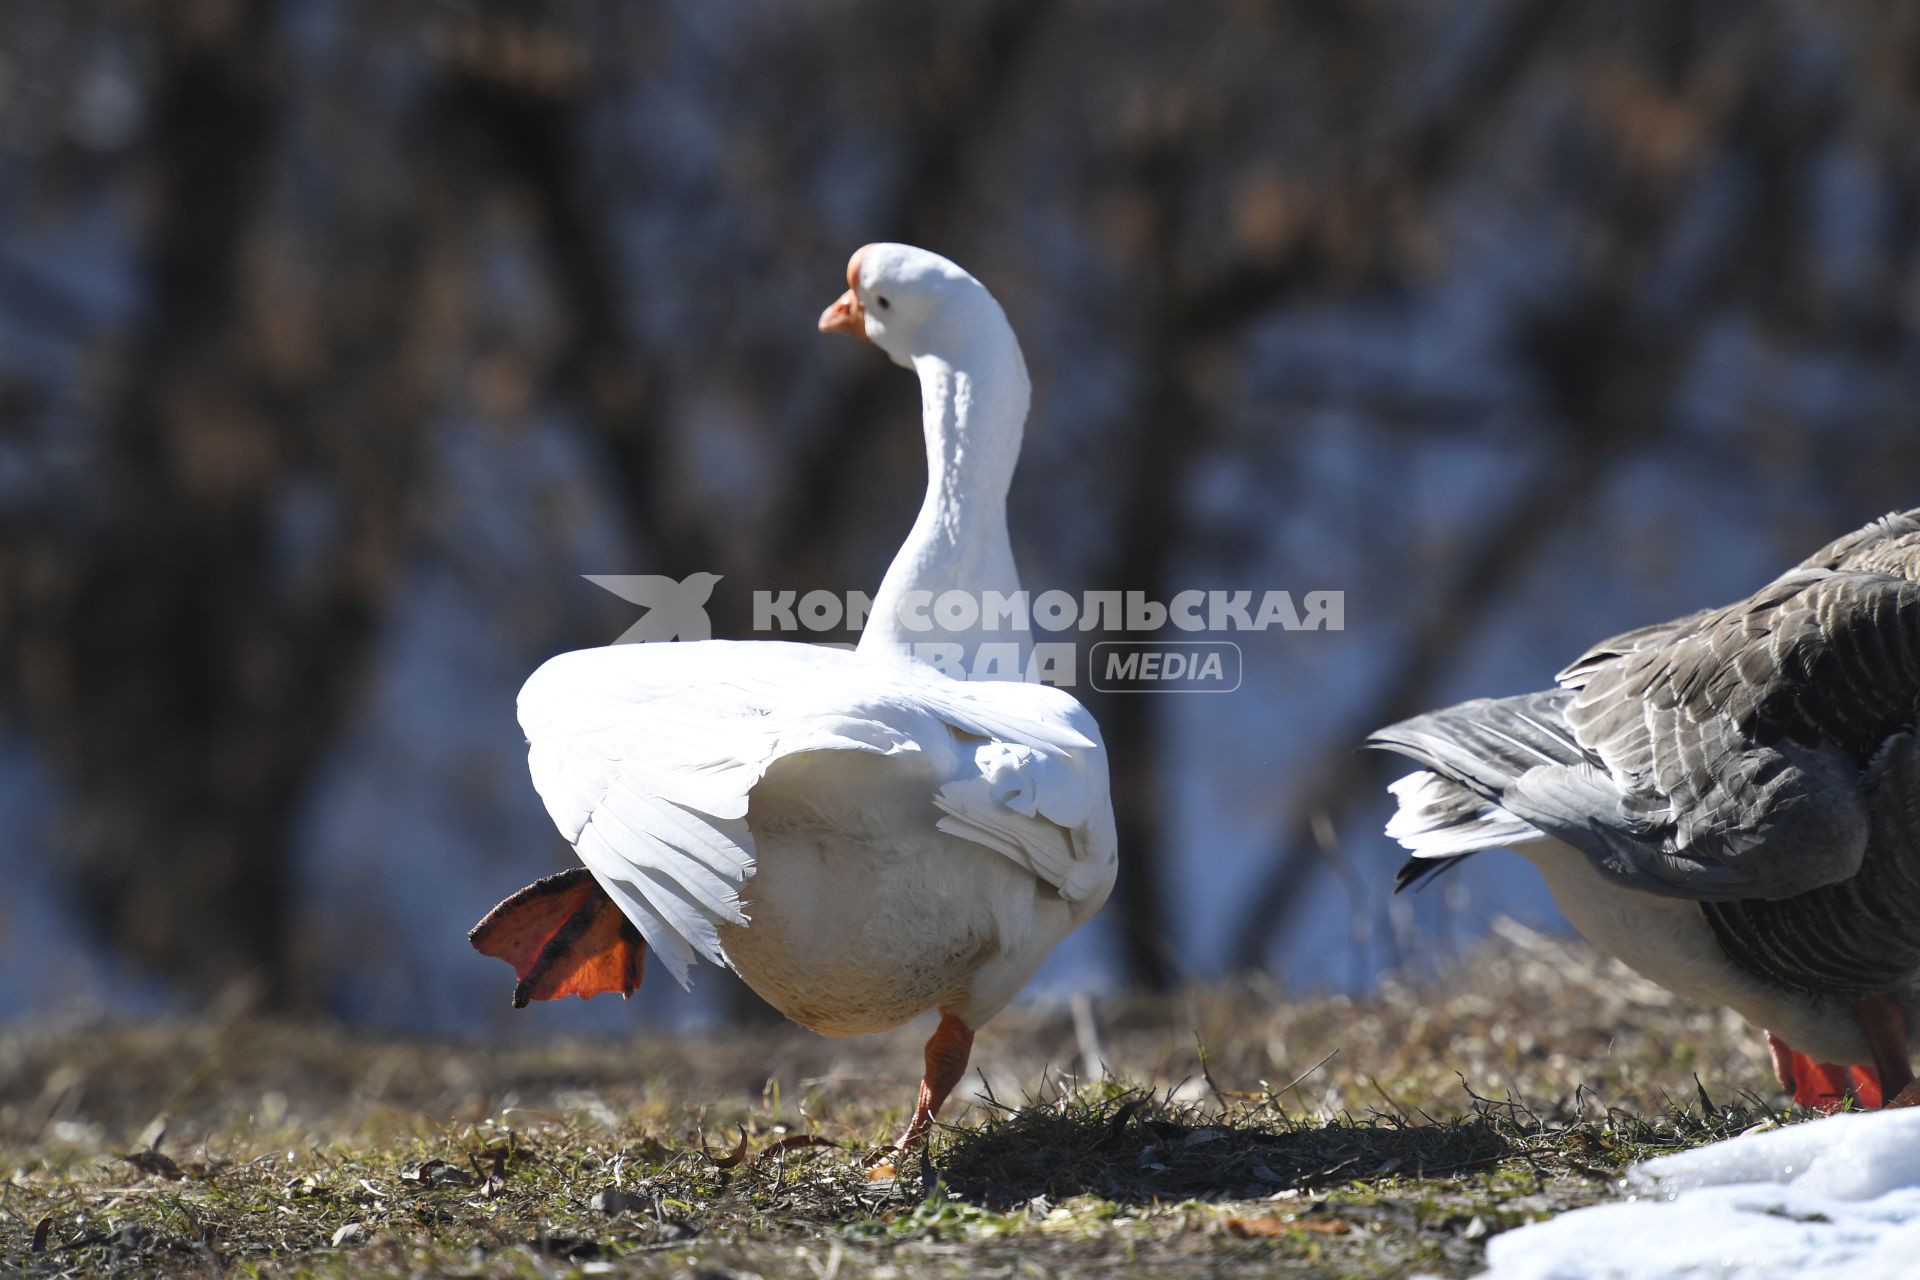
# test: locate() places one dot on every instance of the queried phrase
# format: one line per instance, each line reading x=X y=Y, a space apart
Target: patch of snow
x=1838 y=1197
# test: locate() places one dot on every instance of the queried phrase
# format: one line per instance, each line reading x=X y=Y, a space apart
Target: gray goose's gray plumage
x=1728 y=802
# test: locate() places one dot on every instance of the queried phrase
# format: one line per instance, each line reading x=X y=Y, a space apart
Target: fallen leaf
x=726 y=1161
x=153 y=1162
x=494 y=1181
x=438 y=1173
x=40 y=1231
x=352 y=1233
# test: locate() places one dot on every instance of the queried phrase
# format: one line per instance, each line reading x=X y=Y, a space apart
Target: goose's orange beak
x=846 y=315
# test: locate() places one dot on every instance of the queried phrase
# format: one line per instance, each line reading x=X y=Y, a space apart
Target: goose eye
x=880 y=300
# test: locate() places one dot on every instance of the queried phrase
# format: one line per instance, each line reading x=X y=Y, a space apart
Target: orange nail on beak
x=846 y=315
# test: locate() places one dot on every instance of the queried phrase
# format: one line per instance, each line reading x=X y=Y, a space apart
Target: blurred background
x=338 y=339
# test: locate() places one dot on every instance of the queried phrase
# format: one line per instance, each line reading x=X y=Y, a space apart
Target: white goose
x=860 y=837
x=1728 y=803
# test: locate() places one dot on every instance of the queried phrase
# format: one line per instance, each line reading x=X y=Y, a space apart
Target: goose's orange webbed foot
x=1822 y=1086
x=564 y=937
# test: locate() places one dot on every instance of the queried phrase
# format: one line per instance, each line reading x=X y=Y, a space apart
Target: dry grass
x=1379 y=1137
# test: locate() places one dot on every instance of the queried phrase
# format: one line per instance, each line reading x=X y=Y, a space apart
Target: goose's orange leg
x=947 y=1052
x=1826 y=1086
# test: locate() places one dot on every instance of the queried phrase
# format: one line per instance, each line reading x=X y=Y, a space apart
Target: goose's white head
x=912 y=303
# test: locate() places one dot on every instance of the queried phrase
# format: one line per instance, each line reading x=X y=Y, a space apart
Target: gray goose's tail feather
x=1473 y=752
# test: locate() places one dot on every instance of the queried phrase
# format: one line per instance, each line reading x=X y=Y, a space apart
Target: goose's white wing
x=1033 y=786
x=646 y=756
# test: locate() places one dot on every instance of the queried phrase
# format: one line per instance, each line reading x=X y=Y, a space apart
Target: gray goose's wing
x=1859 y=936
x=1890 y=545
x=1739 y=757
x=1658 y=635
x=1856 y=936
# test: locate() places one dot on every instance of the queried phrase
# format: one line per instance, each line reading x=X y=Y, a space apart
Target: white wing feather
x=646 y=756
x=1039 y=785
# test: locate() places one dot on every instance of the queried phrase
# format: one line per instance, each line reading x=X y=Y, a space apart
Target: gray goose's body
x=1729 y=802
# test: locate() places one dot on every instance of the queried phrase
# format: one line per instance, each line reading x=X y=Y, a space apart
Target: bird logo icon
x=675 y=610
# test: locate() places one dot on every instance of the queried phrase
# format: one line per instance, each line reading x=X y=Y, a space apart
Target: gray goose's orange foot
x=1826 y=1086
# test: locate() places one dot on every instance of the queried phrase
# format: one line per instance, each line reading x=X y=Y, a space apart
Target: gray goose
x=1728 y=803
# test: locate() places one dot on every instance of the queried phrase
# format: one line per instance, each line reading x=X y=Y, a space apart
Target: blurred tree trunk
x=185 y=656
x=133 y=657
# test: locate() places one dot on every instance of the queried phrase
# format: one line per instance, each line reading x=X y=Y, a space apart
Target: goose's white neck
x=974 y=407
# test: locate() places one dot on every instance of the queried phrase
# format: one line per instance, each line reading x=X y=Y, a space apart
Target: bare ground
x=1233 y=1132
